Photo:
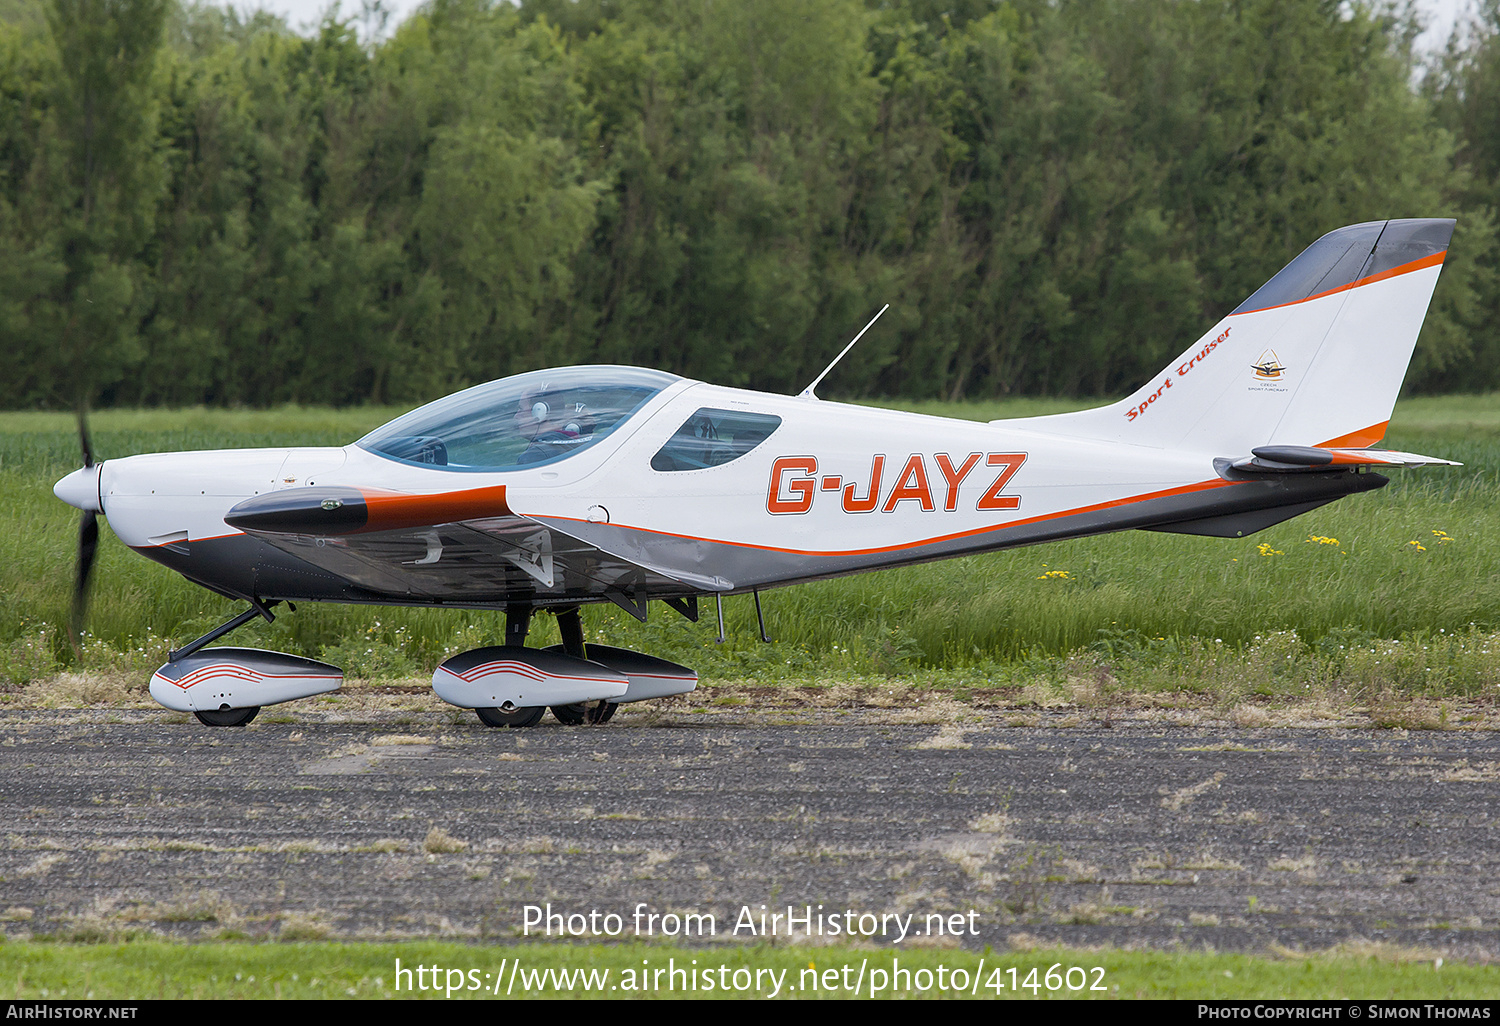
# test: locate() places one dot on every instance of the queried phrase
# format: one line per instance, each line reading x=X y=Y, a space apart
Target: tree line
x=1055 y=196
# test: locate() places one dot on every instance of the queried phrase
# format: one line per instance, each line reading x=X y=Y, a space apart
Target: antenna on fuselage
x=807 y=393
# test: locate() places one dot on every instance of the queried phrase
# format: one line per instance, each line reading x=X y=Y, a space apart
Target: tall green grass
x=151 y=968
x=1135 y=598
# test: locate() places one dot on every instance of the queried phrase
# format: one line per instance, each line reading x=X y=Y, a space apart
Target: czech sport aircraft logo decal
x=1269 y=367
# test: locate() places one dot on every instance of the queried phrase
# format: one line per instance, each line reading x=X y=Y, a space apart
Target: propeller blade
x=88 y=544
x=83 y=437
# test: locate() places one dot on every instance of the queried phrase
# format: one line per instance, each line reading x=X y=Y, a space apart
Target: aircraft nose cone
x=81 y=488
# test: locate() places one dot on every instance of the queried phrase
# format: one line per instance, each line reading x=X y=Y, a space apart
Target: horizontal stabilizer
x=1294 y=459
x=1392 y=458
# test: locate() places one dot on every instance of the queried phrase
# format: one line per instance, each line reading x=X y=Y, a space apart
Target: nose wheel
x=226 y=717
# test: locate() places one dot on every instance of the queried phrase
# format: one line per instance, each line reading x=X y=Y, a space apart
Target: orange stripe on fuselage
x=1112 y=503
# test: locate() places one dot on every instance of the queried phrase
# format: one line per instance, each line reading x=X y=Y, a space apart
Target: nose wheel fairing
x=217 y=680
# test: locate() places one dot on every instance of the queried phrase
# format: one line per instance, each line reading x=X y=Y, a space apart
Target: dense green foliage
x=1055 y=195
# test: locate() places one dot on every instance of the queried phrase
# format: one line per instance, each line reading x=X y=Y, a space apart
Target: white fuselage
x=833 y=479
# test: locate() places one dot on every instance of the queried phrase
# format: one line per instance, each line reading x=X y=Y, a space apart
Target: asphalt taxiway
x=422 y=825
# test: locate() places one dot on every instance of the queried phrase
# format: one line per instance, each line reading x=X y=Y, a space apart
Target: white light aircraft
x=555 y=488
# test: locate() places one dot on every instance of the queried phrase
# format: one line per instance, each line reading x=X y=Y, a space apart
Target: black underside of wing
x=502 y=560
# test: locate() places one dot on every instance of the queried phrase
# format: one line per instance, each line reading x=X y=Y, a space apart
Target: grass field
x=1395 y=592
x=155 y=969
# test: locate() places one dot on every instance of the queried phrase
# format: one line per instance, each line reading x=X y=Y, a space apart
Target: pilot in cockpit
x=552 y=424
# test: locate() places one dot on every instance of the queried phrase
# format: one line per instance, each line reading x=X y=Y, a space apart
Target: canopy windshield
x=523 y=421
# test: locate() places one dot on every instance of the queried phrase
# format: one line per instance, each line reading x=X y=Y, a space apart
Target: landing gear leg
x=570 y=626
x=257 y=608
x=517 y=626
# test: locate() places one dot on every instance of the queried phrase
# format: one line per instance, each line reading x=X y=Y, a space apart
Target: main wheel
x=527 y=716
x=571 y=715
x=227 y=717
x=585 y=712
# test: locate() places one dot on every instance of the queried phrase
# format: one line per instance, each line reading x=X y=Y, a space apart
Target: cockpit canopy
x=518 y=422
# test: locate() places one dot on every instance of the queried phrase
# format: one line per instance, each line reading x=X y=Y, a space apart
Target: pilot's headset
x=540 y=411
x=576 y=421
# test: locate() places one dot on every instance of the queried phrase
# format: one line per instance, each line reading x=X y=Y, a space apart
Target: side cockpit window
x=712 y=438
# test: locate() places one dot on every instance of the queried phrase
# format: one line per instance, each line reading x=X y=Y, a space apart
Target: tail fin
x=1314 y=358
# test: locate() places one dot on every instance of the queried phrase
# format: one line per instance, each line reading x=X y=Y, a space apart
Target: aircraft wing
x=464 y=547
